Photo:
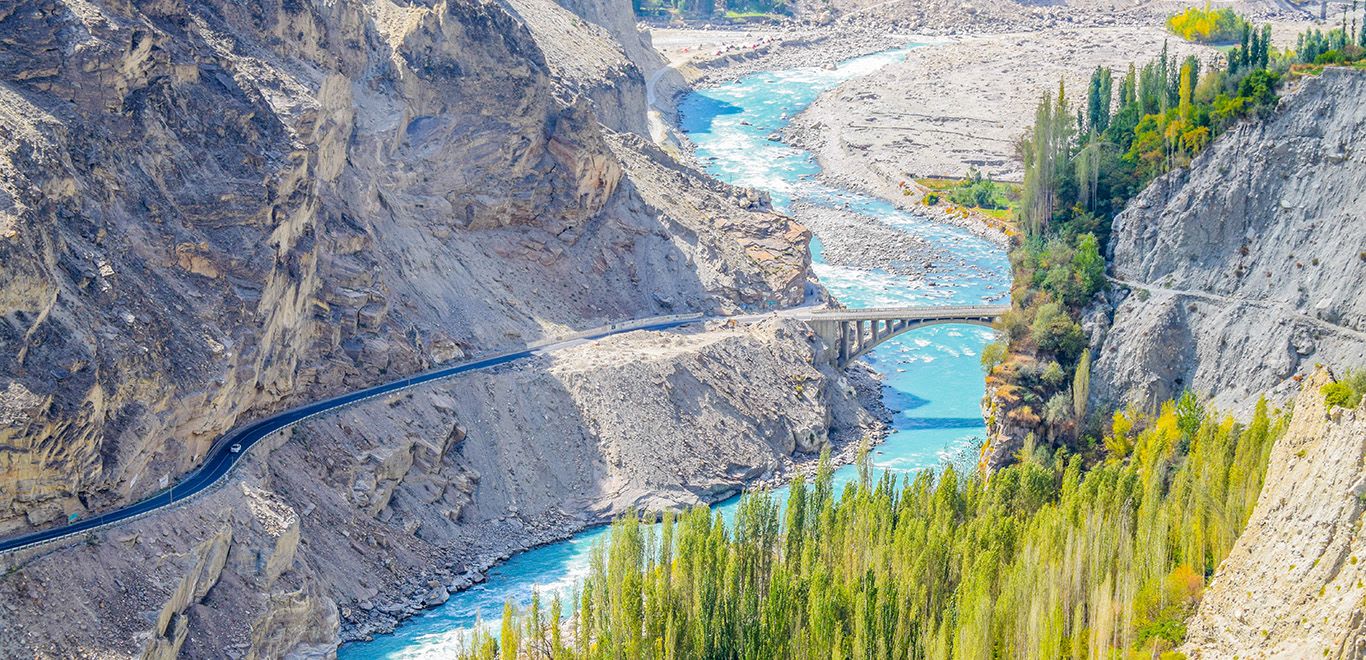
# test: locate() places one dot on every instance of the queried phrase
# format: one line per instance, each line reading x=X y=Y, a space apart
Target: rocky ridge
x=1292 y=584
x=212 y=211
x=1237 y=275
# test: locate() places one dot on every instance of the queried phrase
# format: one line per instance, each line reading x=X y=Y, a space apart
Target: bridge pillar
x=835 y=334
x=851 y=333
x=846 y=344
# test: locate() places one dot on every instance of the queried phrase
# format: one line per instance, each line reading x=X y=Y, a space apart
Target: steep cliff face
x=211 y=210
x=349 y=522
x=1292 y=585
x=1238 y=274
x=593 y=48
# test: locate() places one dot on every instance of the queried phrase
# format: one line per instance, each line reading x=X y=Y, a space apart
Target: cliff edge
x=1236 y=275
x=1292 y=585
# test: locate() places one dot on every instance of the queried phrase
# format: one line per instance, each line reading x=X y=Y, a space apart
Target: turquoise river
x=932 y=376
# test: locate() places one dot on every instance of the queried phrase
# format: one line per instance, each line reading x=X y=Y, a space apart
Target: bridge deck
x=907 y=313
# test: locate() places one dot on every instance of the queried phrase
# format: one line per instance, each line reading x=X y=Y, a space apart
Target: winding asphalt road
x=220 y=458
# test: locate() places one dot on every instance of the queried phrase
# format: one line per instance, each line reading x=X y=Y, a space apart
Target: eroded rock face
x=1245 y=269
x=1292 y=584
x=213 y=210
x=346 y=524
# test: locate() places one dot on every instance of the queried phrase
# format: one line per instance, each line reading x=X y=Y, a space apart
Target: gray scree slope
x=1247 y=268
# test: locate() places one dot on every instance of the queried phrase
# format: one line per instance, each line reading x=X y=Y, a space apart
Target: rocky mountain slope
x=1292 y=585
x=212 y=210
x=1240 y=273
x=352 y=521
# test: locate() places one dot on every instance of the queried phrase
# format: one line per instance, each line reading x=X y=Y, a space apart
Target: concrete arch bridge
x=854 y=332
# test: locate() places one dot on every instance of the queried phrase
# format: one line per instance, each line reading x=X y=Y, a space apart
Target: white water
x=932 y=376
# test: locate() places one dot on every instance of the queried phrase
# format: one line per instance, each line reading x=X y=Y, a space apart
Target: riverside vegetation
x=976 y=191
x=1047 y=558
x=1205 y=25
x=1092 y=548
x=1082 y=165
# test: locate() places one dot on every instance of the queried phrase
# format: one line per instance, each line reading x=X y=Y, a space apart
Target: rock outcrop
x=1292 y=585
x=213 y=210
x=1240 y=273
x=350 y=522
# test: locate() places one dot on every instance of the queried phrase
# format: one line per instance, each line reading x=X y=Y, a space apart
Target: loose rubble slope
x=1246 y=267
x=341 y=527
x=210 y=211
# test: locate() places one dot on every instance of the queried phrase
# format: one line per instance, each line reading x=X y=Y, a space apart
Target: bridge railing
x=967 y=311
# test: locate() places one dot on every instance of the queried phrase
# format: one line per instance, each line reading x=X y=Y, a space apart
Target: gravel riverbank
x=849 y=239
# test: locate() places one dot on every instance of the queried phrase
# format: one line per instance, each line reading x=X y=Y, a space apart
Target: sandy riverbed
x=849 y=240
x=952 y=107
x=958 y=103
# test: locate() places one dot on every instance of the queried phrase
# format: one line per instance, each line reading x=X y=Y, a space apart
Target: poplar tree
x=1128 y=89
x=1243 y=51
x=1361 y=34
x=1081 y=385
x=1167 y=76
x=1265 y=55
x=1099 y=99
x=1049 y=558
x=1038 y=182
x=1190 y=75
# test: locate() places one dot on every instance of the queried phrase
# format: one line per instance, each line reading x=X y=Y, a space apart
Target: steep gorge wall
x=1240 y=273
x=350 y=522
x=1292 y=584
x=213 y=210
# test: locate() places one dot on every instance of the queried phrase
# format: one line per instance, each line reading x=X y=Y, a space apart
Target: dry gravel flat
x=951 y=107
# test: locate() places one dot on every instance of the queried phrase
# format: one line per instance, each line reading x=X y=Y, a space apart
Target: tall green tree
x=1051 y=557
x=1046 y=154
x=1361 y=32
x=1081 y=385
x=1190 y=76
x=1098 y=100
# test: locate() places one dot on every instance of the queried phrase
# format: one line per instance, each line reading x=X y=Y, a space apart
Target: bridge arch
x=852 y=333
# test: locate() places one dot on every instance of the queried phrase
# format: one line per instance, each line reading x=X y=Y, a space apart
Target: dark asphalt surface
x=221 y=459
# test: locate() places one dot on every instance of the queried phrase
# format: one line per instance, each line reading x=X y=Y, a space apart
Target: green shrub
x=994 y=354
x=1054 y=331
x=981 y=192
x=1207 y=25
x=1053 y=374
x=1347 y=391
